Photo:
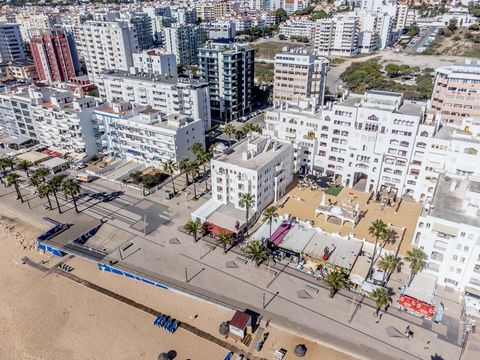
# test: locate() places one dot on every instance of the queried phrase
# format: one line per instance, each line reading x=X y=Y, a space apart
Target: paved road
x=343 y=322
x=420 y=40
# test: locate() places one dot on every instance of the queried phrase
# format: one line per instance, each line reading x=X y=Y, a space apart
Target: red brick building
x=53 y=56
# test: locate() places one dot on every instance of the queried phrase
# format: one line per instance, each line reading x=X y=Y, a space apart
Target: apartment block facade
x=257 y=165
x=456 y=93
x=299 y=75
x=228 y=68
x=11 y=43
x=337 y=36
x=51 y=116
x=155 y=62
x=106 y=45
x=53 y=56
x=448 y=231
x=169 y=95
x=184 y=42
x=146 y=136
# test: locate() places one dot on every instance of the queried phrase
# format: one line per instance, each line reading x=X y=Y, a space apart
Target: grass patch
x=268 y=49
x=337 y=61
x=264 y=72
x=334 y=190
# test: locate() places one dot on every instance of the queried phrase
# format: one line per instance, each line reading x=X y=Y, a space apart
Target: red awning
x=217 y=230
x=417 y=306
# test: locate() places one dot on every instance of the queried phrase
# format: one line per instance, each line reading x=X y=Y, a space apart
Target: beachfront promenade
x=200 y=269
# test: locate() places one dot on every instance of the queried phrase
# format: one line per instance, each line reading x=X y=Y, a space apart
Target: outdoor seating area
x=323 y=183
x=311 y=249
x=166 y=323
x=362 y=209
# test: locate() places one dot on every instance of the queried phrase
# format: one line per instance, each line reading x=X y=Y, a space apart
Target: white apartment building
x=368 y=141
x=16 y=115
x=106 y=45
x=184 y=15
x=31 y=22
x=299 y=75
x=258 y=165
x=297 y=123
x=452 y=150
x=155 y=62
x=184 y=41
x=376 y=31
x=448 y=231
x=337 y=36
x=146 y=136
x=221 y=29
x=63 y=122
x=167 y=94
x=11 y=43
x=298 y=26
x=52 y=117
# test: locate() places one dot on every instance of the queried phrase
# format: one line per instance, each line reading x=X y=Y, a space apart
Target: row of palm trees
x=45 y=188
x=191 y=168
x=389 y=263
x=232 y=132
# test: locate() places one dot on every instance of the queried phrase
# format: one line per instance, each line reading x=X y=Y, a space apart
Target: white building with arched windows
x=368 y=141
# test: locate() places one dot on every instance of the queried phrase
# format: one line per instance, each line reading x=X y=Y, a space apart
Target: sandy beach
x=51 y=317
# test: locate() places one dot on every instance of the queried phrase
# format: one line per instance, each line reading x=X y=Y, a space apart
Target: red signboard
x=416 y=306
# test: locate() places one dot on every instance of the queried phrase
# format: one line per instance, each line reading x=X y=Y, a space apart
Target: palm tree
x=240 y=134
x=388 y=264
x=193 y=227
x=193 y=171
x=417 y=259
x=197 y=148
x=378 y=229
x=183 y=166
x=9 y=162
x=24 y=165
x=246 y=201
x=70 y=188
x=42 y=173
x=44 y=192
x=229 y=130
x=257 y=252
x=54 y=185
x=381 y=298
x=34 y=180
x=269 y=215
x=169 y=166
x=224 y=240
x=12 y=179
x=2 y=164
x=337 y=280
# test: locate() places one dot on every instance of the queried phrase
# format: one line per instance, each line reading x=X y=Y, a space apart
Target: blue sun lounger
x=173 y=327
x=229 y=356
x=163 y=321
x=157 y=319
x=167 y=324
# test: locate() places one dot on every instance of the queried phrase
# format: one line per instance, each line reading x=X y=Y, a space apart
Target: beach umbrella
x=163 y=356
x=300 y=350
x=223 y=329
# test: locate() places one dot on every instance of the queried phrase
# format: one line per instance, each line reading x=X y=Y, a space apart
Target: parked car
x=78 y=165
x=84 y=177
